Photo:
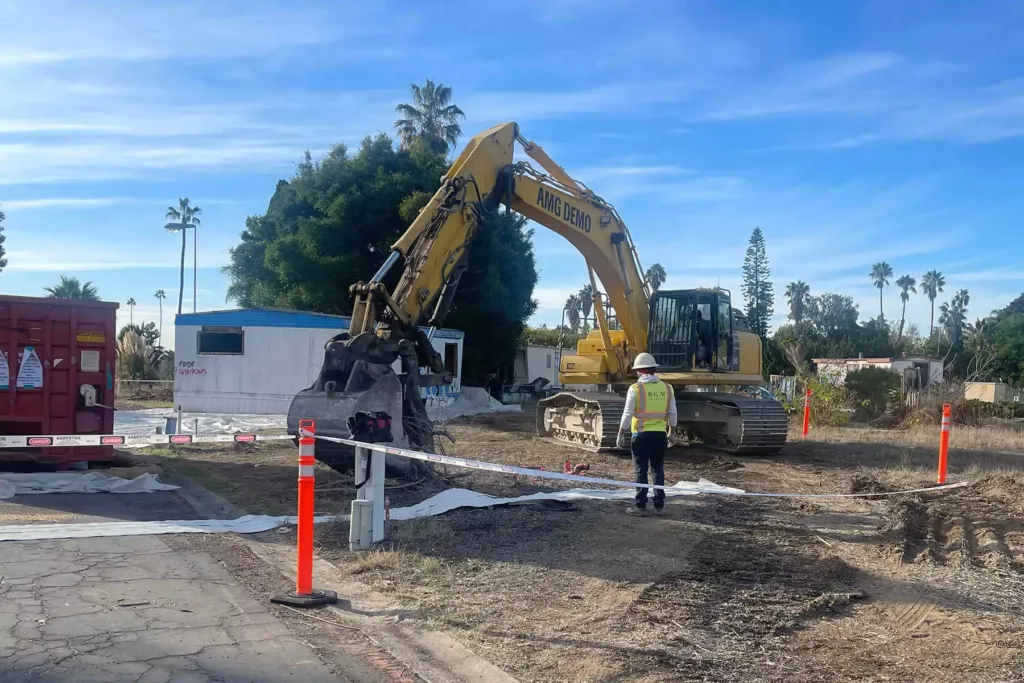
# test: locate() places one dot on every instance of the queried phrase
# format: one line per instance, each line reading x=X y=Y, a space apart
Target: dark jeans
x=649 y=451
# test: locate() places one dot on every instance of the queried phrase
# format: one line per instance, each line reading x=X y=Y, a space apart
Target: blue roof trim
x=273 y=317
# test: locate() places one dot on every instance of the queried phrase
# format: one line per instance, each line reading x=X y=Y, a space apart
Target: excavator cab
x=694 y=329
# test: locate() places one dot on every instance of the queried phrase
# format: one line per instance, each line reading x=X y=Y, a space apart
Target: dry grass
x=991 y=438
x=723 y=588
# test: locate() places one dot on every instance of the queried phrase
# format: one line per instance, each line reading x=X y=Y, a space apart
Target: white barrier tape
x=72 y=440
x=704 y=487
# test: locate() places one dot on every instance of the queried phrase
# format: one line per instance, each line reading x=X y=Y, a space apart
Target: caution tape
x=73 y=440
x=702 y=486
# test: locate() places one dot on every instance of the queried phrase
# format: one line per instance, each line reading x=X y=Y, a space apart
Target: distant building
x=918 y=372
x=534 y=361
x=992 y=392
x=253 y=361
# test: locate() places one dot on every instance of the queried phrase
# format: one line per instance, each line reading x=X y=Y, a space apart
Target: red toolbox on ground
x=57 y=375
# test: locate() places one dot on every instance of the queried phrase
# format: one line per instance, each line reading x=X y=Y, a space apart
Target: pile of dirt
x=865 y=483
x=972 y=527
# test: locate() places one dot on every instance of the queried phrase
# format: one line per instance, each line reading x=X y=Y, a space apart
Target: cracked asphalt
x=145 y=609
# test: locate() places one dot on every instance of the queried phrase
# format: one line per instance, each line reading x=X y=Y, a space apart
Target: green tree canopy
x=757 y=285
x=71 y=288
x=333 y=224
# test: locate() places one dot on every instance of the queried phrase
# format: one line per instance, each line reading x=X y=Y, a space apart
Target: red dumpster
x=59 y=357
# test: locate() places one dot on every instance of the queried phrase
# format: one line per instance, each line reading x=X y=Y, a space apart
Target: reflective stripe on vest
x=651 y=409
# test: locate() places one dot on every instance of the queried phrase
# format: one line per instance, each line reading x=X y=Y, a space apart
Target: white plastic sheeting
x=452 y=499
x=93 y=482
x=249 y=524
x=471 y=401
x=441 y=503
x=147 y=421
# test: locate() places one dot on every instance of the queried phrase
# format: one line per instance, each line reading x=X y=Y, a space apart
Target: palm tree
x=656 y=276
x=881 y=272
x=131 y=303
x=572 y=310
x=586 y=297
x=932 y=283
x=186 y=214
x=431 y=117
x=71 y=288
x=160 y=296
x=953 y=316
x=906 y=284
x=797 y=293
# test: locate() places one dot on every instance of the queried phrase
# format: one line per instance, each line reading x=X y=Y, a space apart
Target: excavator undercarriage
x=725 y=421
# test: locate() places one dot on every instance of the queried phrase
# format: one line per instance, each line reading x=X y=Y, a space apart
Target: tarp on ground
x=66 y=482
x=443 y=502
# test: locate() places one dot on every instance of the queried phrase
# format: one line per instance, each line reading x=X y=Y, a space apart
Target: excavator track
x=729 y=422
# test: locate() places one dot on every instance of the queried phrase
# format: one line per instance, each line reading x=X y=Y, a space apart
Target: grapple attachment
x=358 y=376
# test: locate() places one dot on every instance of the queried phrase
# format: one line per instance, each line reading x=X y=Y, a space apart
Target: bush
x=873 y=389
x=830 y=404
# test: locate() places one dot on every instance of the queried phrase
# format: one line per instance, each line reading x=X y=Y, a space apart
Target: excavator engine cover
x=356 y=378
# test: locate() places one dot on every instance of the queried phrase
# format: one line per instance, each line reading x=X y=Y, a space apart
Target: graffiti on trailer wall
x=188 y=367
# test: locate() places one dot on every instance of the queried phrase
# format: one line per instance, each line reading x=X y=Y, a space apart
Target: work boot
x=636 y=512
x=660 y=512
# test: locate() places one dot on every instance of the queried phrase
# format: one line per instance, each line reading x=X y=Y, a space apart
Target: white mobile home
x=533 y=362
x=253 y=361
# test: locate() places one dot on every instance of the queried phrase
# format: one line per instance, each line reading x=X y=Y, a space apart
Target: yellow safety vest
x=651 y=409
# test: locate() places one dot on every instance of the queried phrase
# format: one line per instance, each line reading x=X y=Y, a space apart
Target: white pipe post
x=360 y=535
x=375 y=494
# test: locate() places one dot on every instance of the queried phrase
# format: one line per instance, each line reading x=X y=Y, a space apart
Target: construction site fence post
x=944 y=443
x=367 y=522
x=305 y=595
x=807 y=413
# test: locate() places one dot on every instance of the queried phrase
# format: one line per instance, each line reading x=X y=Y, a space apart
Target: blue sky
x=850 y=131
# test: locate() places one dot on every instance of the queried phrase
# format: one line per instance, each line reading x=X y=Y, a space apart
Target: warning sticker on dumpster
x=91 y=337
x=30 y=370
x=5 y=372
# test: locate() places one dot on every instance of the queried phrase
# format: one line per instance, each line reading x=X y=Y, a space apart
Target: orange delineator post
x=944 y=443
x=807 y=413
x=305 y=595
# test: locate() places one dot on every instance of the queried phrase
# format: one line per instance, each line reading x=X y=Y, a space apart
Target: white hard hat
x=644 y=361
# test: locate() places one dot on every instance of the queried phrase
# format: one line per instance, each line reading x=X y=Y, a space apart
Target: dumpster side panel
x=54 y=347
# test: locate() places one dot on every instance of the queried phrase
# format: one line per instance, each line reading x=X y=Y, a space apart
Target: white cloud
x=63 y=202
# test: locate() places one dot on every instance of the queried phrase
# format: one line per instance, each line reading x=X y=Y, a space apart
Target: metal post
x=195 y=260
x=305 y=595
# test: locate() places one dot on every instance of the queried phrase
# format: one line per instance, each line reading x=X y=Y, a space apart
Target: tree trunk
x=903 y=316
x=131 y=315
x=161 y=302
x=181 y=272
x=881 y=313
x=931 y=321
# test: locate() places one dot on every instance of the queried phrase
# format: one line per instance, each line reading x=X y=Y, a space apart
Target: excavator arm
x=395 y=327
x=436 y=246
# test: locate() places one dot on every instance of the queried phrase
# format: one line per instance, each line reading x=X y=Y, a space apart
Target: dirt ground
x=919 y=588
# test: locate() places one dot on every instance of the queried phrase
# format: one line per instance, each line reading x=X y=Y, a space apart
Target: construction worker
x=650 y=414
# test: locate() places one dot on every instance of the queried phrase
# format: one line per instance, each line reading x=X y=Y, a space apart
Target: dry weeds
x=907 y=589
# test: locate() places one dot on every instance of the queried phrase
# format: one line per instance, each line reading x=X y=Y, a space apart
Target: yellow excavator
x=701 y=342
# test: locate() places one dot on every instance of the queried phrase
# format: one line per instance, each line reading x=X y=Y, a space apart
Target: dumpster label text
x=5 y=372
x=91 y=337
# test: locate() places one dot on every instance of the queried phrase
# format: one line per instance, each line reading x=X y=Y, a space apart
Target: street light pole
x=195 y=247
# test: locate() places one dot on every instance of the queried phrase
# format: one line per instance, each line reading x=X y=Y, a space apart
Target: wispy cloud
x=63 y=202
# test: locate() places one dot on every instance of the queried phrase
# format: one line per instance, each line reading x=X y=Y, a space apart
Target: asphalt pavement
x=142 y=609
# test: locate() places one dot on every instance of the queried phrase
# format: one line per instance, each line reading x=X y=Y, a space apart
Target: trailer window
x=221 y=341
